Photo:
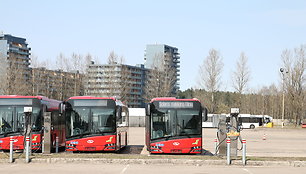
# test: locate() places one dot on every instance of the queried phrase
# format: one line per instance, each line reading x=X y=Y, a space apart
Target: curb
x=159 y=162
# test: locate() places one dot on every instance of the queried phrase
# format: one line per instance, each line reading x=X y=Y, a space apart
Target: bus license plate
x=90 y=148
x=176 y=151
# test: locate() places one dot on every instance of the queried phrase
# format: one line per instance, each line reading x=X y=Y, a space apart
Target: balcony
x=135 y=93
x=136 y=87
x=23 y=57
x=176 y=61
x=25 y=48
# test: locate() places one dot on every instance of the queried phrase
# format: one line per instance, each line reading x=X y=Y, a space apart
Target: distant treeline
x=267 y=101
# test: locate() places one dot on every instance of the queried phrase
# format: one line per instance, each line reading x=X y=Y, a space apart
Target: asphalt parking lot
x=137 y=168
x=286 y=142
x=279 y=143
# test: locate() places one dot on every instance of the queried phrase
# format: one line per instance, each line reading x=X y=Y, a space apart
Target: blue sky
x=262 y=29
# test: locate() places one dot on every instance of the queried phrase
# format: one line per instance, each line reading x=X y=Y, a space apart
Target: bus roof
x=90 y=97
x=23 y=96
x=118 y=102
x=51 y=103
x=173 y=99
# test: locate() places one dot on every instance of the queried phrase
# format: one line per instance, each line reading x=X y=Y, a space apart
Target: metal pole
x=43 y=145
x=11 y=149
x=283 y=102
x=228 y=150
x=47 y=135
x=216 y=145
x=244 y=152
x=27 y=148
x=56 y=144
x=283 y=109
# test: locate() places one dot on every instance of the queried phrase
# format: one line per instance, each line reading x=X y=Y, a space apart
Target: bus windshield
x=12 y=119
x=172 y=122
x=90 y=120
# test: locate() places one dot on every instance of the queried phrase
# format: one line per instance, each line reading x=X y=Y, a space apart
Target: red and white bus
x=95 y=124
x=12 y=121
x=174 y=125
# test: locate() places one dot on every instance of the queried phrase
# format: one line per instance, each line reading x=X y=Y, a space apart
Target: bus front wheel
x=252 y=126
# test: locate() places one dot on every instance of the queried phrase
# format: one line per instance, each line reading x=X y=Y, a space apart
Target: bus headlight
x=110 y=146
x=156 y=149
x=196 y=149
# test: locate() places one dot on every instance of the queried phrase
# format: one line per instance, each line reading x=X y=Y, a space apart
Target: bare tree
x=15 y=78
x=294 y=81
x=38 y=69
x=87 y=82
x=87 y=61
x=112 y=75
x=78 y=66
x=111 y=79
x=112 y=58
x=62 y=62
x=35 y=63
x=161 y=78
x=241 y=76
x=76 y=62
x=71 y=71
x=3 y=72
x=153 y=86
x=210 y=74
x=125 y=84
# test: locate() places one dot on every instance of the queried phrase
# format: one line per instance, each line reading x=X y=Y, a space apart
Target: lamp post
x=283 y=71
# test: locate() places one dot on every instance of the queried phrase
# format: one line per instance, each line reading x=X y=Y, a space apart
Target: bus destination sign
x=175 y=104
x=86 y=102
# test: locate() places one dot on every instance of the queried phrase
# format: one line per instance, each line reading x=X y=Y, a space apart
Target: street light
x=283 y=71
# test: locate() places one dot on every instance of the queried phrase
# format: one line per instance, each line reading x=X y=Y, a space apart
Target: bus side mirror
x=204 y=114
x=148 y=109
x=62 y=107
x=119 y=113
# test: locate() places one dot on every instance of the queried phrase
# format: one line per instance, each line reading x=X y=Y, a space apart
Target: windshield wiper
x=185 y=135
x=189 y=135
x=100 y=132
x=164 y=137
x=81 y=135
x=84 y=134
x=5 y=133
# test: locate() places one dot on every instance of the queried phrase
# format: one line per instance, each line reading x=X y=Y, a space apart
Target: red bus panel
x=18 y=142
x=95 y=143
x=95 y=124
x=41 y=104
x=174 y=126
x=187 y=145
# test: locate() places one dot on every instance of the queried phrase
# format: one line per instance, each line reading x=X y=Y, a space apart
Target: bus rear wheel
x=252 y=126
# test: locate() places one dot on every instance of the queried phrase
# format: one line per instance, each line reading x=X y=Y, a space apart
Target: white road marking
x=247 y=171
x=124 y=169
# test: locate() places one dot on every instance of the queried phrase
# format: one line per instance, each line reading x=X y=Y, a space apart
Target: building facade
x=131 y=84
x=164 y=58
x=56 y=84
x=125 y=82
x=14 y=64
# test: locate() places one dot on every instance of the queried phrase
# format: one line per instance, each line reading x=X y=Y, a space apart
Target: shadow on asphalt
x=132 y=149
x=206 y=153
